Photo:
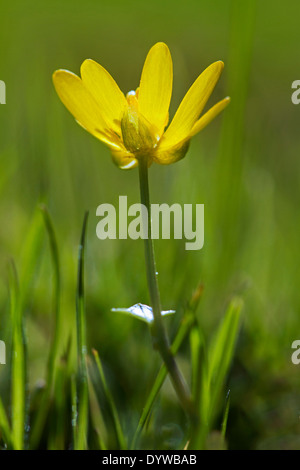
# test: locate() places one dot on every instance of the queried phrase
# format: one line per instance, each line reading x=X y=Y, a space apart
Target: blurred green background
x=244 y=167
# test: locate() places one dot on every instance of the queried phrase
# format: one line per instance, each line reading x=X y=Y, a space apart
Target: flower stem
x=160 y=339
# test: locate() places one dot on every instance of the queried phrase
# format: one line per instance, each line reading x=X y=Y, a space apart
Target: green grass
x=80 y=376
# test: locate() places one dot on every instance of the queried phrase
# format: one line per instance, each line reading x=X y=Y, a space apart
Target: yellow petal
x=192 y=105
x=209 y=116
x=166 y=155
x=123 y=159
x=105 y=92
x=80 y=103
x=172 y=154
x=156 y=86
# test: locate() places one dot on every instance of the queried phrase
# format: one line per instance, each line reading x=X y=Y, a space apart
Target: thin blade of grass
x=41 y=416
x=212 y=373
x=82 y=376
x=200 y=387
x=225 y=416
x=222 y=350
x=31 y=252
x=74 y=410
x=19 y=295
x=58 y=431
x=18 y=391
x=96 y=415
x=197 y=346
x=113 y=409
x=5 y=426
x=230 y=162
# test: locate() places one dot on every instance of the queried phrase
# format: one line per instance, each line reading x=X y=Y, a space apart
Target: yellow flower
x=135 y=126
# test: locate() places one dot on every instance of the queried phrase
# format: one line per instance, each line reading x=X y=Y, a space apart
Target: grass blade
x=18 y=391
x=212 y=373
x=82 y=384
x=19 y=294
x=54 y=349
x=225 y=416
x=5 y=426
x=74 y=410
x=31 y=252
x=221 y=352
x=96 y=415
x=58 y=421
x=113 y=410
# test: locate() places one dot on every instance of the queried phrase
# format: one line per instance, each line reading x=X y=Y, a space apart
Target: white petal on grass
x=142 y=312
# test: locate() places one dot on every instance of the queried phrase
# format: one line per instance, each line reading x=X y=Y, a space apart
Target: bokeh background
x=244 y=167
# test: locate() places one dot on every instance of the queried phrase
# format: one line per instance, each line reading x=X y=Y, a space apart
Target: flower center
x=138 y=137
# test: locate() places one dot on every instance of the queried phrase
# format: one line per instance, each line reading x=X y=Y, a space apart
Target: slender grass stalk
x=214 y=370
x=19 y=294
x=30 y=258
x=113 y=410
x=200 y=387
x=160 y=339
x=5 y=426
x=82 y=379
x=228 y=209
x=186 y=324
x=222 y=350
x=197 y=348
x=41 y=416
x=95 y=413
x=225 y=416
x=74 y=410
x=18 y=391
x=58 y=421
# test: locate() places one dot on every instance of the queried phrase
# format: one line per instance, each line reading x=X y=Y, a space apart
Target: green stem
x=160 y=339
